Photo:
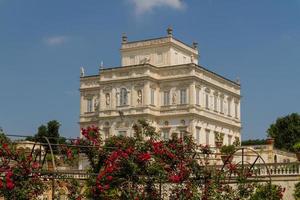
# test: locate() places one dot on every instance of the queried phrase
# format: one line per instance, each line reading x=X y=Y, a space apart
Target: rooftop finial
x=238 y=81
x=124 y=38
x=195 y=45
x=170 y=31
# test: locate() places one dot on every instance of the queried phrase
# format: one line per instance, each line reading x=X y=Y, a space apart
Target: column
x=192 y=94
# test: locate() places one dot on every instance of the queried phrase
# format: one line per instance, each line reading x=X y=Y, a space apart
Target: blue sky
x=44 y=43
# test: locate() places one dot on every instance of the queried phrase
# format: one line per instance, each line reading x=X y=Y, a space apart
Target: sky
x=43 y=44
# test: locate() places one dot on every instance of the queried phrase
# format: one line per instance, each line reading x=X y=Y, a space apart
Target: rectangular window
x=207 y=134
x=229 y=139
x=122 y=133
x=166 y=98
x=198 y=135
x=152 y=96
x=165 y=135
x=183 y=96
x=89 y=105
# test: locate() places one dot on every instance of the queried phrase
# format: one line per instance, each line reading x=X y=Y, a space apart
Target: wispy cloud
x=144 y=6
x=55 y=40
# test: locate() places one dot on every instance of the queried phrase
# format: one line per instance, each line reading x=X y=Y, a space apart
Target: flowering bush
x=20 y=174
x=133 y=168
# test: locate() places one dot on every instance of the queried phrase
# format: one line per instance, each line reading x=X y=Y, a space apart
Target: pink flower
x=69 y=153
x=35 y=165
x=144 y=156
x=174 y=178
x=8 y=174
x=129 y=150
x=109 y=178
x=124 y=155
x=110 y=169
x=10 y=185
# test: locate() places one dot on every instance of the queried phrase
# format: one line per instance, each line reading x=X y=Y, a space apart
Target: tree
x=285 y=131
x=253 y=142
x=51 y=131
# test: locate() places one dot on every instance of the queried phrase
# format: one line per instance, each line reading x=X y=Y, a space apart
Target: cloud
x=55 y=40
x=144 y=6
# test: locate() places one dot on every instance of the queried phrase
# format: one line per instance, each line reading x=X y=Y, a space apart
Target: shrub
x=297 y=191
x=296 y=147
x=254 y=142
x=227 y=149
x=267 y=191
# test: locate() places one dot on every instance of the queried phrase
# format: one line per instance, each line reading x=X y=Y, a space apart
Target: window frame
x=89 y=105
x=123 y=97
x=166 y=98
x=183 y=96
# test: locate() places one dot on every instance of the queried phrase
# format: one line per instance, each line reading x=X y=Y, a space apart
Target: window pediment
x=107 y=88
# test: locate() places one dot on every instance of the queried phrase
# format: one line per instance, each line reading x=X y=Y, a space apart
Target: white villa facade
x=160 y=80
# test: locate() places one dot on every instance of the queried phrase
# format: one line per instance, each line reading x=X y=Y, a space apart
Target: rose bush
x=133 y=168
x=20 y=174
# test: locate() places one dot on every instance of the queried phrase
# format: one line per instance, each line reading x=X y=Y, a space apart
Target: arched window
x=123 y=97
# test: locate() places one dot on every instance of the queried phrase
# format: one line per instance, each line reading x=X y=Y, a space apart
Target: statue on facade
x=139 y=97
x=81 y=72
x=174 y=98
x=107 y=99
x=145 y=60
x=96 y=104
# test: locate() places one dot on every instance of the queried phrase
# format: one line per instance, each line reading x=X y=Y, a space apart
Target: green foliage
x=267 y=191
x=296 y=147
x=3 y=137
x=227 y=149
x=51 y=131
x=297 y=191
x=19 y=176
x=254 y=142
x=286 y=131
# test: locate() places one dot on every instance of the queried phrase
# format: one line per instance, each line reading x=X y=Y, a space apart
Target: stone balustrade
x=279 y=169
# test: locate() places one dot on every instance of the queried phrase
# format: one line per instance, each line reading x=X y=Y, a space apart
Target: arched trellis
x=239 y=156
